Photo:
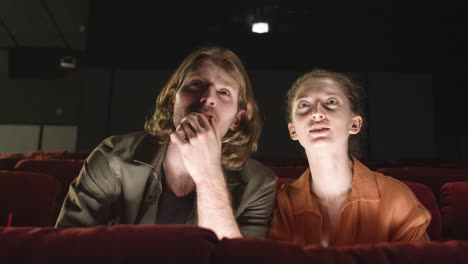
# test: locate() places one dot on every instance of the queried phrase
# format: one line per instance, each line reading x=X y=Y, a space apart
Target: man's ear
x=292 y=131
x=237 y=120
x=171 y=95
x=356 y=125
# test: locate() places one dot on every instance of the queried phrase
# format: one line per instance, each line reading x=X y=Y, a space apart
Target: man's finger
x=213 y=125
x=177 y=139
x=195 y=121
x=188 y=130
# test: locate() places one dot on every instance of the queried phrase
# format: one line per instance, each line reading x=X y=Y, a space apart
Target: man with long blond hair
x=192 y=163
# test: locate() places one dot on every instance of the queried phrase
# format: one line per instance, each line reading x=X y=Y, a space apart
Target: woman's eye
x=303 y=104
x=332 y=101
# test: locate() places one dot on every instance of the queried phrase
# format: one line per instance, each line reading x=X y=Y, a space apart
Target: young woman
x=338 y=200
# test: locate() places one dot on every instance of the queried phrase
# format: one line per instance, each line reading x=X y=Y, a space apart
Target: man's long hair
x=236 y=145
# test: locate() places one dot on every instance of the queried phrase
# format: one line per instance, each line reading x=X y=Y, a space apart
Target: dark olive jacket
x=120 y=183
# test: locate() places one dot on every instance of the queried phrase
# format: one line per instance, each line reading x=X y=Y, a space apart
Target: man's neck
x=177 y=177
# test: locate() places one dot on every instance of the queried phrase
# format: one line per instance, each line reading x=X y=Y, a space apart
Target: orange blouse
x=378 y=208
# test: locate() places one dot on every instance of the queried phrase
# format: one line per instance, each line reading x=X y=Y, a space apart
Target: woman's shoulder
x=394 y=190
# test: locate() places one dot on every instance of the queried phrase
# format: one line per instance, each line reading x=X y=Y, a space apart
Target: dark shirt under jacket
x=173 y=209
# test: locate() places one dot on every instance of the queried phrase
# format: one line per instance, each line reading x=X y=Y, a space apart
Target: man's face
x=211 y=91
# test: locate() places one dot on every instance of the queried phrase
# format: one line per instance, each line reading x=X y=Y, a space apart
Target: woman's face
x=321 y=115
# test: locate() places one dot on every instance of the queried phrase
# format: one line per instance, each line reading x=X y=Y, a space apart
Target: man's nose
x=209 y=96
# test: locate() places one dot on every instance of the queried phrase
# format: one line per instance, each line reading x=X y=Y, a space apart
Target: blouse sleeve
x=411 y=224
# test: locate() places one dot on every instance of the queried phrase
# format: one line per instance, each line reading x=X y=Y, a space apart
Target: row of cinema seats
x=191 y=244
x=34 y=189
x=33 y=186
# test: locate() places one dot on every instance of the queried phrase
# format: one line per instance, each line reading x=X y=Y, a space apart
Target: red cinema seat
x=30 y=198
x=165 y=244
x=65 y=171
x=292 y=172
x=254 y=251
x=454 y=210
x=8 y=161
x=433 y=178
x=426 y=197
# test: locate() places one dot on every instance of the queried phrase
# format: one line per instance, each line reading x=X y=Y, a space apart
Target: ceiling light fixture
x=260 y=27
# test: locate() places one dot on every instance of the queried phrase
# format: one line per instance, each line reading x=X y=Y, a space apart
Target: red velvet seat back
x=454 y=210
x=31 y=198
x=433 y=178
x=8 y=161
x=116 y=245
x=292 y=172
x=249 y=251
x=65 y=171
x=426 y=197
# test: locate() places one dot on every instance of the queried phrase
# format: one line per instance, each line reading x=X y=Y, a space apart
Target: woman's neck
x=331 y=172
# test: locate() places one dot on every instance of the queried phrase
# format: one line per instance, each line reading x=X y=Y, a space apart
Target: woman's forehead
x=323 y=86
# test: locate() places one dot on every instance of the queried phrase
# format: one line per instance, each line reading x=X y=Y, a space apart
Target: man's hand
x=199 y=143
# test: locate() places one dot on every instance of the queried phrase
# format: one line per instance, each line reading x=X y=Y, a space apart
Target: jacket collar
x=363 y=188
x=150 y=152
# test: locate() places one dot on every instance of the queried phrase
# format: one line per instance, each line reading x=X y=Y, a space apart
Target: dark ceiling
x=348 y=35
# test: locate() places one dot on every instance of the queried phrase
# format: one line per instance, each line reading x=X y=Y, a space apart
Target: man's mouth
x=207 y=114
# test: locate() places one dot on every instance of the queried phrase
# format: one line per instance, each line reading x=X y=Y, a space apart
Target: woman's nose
x=317 y=113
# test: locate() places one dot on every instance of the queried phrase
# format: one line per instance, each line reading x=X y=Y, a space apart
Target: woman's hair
x=352 y=91
x=236 y=145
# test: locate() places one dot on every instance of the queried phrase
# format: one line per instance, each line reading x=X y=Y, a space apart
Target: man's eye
x=303 y=104
x=196 y=83
x=332 y=101
x=224 y=92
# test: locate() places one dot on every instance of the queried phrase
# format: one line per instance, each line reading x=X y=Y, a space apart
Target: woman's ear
x=356 y=125
x=292 y=131
x=237 y=120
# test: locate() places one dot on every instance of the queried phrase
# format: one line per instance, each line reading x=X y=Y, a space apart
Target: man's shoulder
x=125 y=145
x=122 y=141
x=254 y=170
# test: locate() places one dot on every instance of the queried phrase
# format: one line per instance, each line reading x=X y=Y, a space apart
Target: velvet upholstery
x=292 y=172
x=191 y=244
x=65 y=171
x=8 y=161
x=433 y=178
x=31 y=198
x=246 y=251
x=454 y=210
x=426 y=197
x=102 y=244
